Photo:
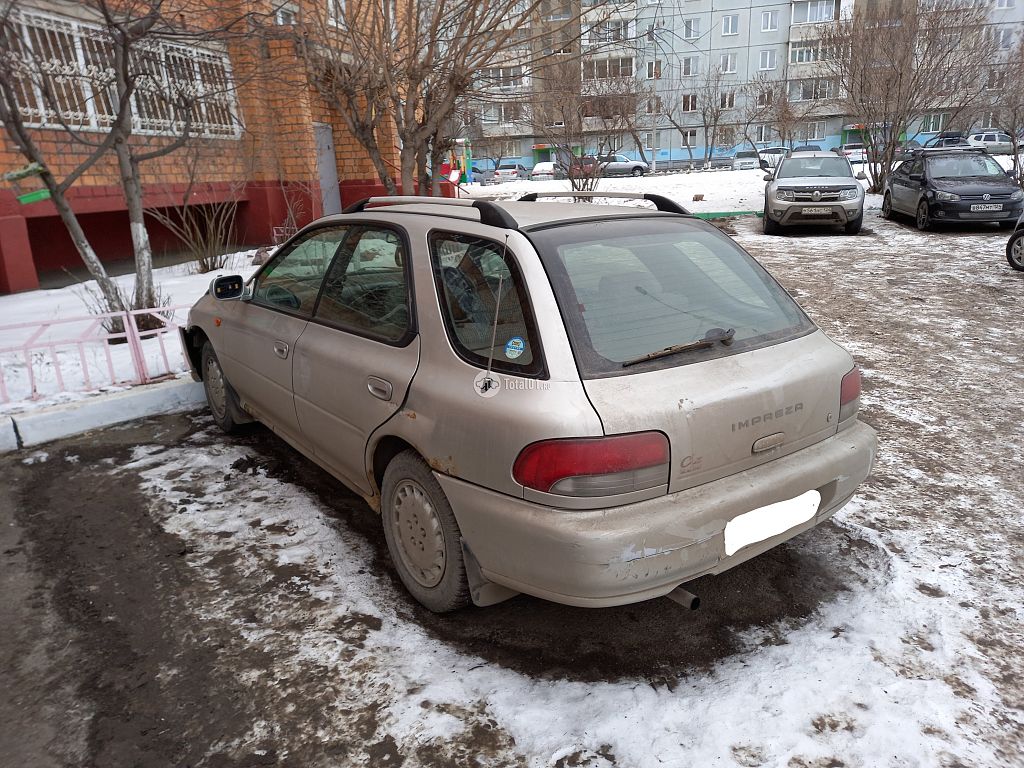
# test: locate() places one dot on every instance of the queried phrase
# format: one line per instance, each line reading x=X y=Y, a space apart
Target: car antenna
x=488 y=382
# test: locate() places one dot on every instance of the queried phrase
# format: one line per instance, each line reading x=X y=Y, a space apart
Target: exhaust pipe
x=684 y=598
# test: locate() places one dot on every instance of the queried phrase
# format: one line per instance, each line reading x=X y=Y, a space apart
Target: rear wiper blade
x=711 y=338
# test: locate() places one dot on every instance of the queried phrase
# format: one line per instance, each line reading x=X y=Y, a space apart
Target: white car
x=511 y=172
x=774 y=155
x=853 y=152
x=745 y=159
x=545 y=172
x=992 y=142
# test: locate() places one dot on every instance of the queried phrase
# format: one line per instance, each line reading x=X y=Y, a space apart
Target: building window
x=811 y=89
x=807 y=52
x=557 y=12
x=505 y=113
x=653 y=70
x=1006 y=3
x=612 y=31
x=767 y=60
x=934 y=122
x=689 y=65
x=990 y=121
x=73 y=61
x=654 y=106
x=996 y=80
x=814 y=11
x=762 y=133
x=285 y=16
x=815 y=130
x=731 y=24
x=688 y=138
x=691 y=29
x=606 y=69
x=728 y=63
x=765 y=97
x=769 y=21
x=728 y=99
x=689 y=102
x=651 y=137
x=336 y=12
x=502 y=77
x=1002 y=37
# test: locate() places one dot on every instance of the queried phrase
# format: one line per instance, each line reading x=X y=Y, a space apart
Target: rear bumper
x=626 y=554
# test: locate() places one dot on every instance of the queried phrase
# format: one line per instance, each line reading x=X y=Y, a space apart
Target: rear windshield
x=964 y=165
x=629 y=287
x=814 y=166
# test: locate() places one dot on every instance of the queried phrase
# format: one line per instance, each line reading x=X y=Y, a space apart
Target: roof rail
x=661 y=202
x=490 y=214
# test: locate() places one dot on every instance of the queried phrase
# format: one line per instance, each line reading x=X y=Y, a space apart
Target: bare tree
x=1001 y=104
x=150 y=84
x=893 y=62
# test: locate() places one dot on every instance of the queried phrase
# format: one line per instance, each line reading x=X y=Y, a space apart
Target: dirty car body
x=610 y=401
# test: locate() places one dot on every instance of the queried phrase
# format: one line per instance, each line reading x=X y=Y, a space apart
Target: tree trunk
x=407 y=163
x=108 y=288
x=145 y=293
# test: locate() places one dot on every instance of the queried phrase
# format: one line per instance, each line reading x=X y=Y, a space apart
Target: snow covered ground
x=909 y=653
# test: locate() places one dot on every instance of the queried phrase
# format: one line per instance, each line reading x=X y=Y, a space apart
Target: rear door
x=628 y=288
x=358 y=355
x=259 y=337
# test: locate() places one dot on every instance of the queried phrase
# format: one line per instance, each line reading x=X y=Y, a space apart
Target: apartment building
x=704 y=73
x=263 y=136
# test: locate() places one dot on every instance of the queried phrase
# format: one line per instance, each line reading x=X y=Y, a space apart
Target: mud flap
x=482 y=591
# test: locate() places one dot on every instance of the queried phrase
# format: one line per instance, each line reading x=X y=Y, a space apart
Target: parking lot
x=221 y=601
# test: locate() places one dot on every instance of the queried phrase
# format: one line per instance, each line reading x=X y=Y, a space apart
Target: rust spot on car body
x=446 y=465
x=410 y=414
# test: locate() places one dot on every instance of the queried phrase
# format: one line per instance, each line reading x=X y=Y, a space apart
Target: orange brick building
x=269 y=140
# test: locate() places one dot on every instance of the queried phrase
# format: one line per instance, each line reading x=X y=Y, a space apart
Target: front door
x=357 y=357
x=260 y=335
x=327 y=167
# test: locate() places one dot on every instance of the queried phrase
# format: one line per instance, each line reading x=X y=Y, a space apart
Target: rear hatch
x=749 y=377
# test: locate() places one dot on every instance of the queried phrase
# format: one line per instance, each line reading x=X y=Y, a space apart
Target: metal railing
x=79 y=354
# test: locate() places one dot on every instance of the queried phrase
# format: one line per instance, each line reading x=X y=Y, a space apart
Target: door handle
x=281 y=350
x=379 y=388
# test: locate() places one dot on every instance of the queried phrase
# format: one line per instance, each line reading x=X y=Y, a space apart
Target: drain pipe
x=684 y=598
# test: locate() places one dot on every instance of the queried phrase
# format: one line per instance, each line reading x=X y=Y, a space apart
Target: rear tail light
x=849 y=395
x=595 y=466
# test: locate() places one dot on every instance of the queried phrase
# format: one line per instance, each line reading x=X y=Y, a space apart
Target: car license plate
x=765 y=522
x=987 y=207
x=817 y=211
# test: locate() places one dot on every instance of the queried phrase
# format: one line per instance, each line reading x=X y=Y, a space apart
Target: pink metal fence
x=72 y=354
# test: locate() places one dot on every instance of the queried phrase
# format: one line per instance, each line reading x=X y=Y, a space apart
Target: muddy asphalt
x=105 y=659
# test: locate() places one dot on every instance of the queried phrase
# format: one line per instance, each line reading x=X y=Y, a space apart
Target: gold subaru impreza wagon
x=593 y=404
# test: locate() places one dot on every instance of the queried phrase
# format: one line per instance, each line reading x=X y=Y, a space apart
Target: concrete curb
x=42 y=426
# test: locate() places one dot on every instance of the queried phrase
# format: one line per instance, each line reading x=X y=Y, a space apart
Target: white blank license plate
x=765 y=522
x=817 y=211
x=989 y=207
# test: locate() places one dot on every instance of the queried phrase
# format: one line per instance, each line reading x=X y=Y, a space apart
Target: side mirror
x=764 y=164
x=767 y=177
x=916 y=177
x=227 y=287
x=861 y=176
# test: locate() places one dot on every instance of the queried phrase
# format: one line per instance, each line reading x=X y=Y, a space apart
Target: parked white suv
x=813 y=188
x=992 y=142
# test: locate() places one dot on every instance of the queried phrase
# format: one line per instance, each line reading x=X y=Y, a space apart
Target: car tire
x=853 y=227
x=220 y=395
x=923 y=218
x=769 y=226
x=1015 y=250
x=422 y=535
x=886 y=206
x=637 y=172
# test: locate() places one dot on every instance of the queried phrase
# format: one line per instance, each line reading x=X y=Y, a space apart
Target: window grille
x=73 y=61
